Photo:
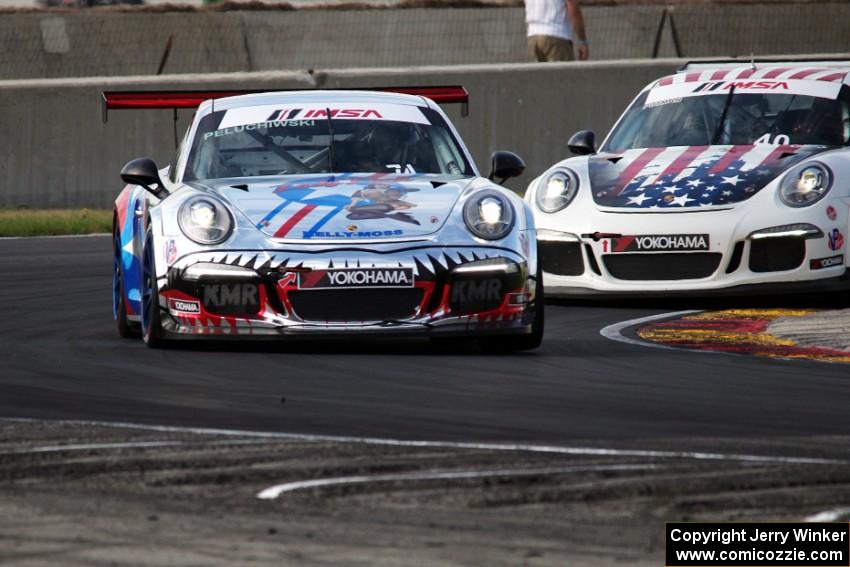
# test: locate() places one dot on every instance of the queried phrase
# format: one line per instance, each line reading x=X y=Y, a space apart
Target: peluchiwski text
x=757 y=544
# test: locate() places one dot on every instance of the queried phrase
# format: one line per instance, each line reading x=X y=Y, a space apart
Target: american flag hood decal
x=691 y=176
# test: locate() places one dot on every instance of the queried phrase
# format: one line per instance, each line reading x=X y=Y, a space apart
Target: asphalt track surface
x=61 y=358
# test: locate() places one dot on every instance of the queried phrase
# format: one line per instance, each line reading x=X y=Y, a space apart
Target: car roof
x=304 y=97
x=824 y=71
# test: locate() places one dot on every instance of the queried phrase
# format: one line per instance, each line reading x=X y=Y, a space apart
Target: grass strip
x=49 y=222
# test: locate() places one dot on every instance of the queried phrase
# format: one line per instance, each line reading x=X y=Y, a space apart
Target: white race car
x=719 y=178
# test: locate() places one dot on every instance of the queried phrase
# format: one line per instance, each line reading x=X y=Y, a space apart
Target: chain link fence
x=108 y=42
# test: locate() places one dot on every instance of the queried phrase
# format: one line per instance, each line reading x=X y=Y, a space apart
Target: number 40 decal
x=778 y=140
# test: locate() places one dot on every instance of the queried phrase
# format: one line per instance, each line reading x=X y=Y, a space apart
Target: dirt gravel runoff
x=76 y=494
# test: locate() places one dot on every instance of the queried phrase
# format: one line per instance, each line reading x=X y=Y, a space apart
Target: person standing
x=553 y=26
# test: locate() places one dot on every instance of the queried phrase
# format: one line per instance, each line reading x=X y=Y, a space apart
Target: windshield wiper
x=775 y=124
x=719 y=130
x=331 y=154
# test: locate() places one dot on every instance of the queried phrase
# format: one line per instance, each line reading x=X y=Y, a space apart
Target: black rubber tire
x=152 y=333
x=522 y=342
x=126 y=329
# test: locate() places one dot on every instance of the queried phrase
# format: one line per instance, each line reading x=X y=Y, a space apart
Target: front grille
x=666 y=266
x=561 y=258
x=355 y=305
x=777 y=254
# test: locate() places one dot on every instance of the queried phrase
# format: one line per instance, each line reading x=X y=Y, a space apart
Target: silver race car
x=322 y=213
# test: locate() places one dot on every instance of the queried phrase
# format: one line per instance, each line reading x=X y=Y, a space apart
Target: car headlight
x=556 y=190
x=205 y=220
x=805 y=185
x=489 y=215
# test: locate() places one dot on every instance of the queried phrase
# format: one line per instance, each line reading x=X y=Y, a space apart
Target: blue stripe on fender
x=131 y=264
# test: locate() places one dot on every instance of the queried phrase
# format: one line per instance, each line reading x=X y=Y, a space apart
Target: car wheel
x=125 y=327
x=523 y=342
x=152 y=332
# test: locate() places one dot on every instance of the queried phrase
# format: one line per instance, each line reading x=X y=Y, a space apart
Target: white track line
x=127 y=445
x=90 y=447
x=615 y=332
x=94 y=234
x=274 y=491
x=830 y=515
x=521 y=447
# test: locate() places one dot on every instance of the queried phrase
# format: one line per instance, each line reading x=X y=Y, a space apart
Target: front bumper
x=428 y=290
x=748 y=262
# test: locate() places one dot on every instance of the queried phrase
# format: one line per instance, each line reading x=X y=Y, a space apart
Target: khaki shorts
x=548 y=48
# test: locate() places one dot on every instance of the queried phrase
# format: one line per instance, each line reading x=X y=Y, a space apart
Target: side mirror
x=504 y=165
x=583 y=143
x=143 y=171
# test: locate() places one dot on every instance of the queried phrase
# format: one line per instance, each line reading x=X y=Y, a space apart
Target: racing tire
x=152 y=333
x=523 y=342
x=126 y=328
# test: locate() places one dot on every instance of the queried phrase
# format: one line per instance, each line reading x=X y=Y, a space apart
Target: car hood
x=689 y=177
x=344 y=206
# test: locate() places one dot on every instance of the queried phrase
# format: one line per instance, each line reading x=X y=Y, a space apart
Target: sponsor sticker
x=343 y=234
x=820 y=263
x=524 y=243
x=184 y=306
x=356 y=278
x=660 y=243
x=831 y=213
x=239 y=128
x=836 y=239
x=469 y=293
x=170 y=251
x=230 y=295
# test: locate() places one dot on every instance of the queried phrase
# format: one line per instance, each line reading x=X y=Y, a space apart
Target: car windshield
x=246 y=142
x=751 y=118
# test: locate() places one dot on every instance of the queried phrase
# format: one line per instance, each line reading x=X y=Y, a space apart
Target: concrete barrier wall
x=56 y=152
x=95 y=43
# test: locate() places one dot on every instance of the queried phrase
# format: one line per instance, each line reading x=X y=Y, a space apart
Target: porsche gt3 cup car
x=720 y=178
x=322 y=213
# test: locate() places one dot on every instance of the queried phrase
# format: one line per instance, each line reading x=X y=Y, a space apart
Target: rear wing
x=766 y=62
x=174 y=100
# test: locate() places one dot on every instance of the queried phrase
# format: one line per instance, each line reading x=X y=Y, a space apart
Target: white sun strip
x=517 y=447
x=614 y=331
x=829 y=515
x=274 y=491
x=825 y=73
x=248 y=115
x=680 y=89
